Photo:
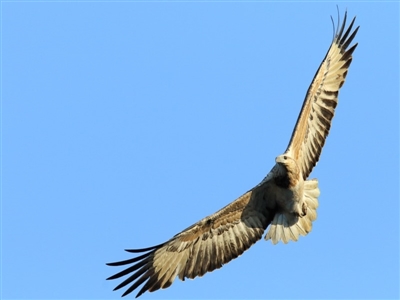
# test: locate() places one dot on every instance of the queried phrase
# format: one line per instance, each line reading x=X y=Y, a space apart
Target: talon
x=304 y=209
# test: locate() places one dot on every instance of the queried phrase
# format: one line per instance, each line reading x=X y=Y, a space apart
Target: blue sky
x=124 y=123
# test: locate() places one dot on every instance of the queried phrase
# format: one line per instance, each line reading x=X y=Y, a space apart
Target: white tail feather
x=287 y=227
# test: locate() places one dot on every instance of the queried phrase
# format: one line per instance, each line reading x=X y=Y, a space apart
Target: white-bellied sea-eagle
x=285 y=200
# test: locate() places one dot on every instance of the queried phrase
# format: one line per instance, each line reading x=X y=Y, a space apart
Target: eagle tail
x=287 y=227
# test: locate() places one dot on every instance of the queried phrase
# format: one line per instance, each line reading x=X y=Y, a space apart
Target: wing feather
x=202 y=247
x=313 y=124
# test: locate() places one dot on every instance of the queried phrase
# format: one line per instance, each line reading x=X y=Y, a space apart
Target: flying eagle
x=285 y=200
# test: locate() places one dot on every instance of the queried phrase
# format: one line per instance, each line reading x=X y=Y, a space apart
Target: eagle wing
x=314 y=121
x=203 y=247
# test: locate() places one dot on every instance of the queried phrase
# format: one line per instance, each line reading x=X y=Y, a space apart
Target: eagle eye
x=285 y=157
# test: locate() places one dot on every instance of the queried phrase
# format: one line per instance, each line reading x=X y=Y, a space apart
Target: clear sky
x=124 y=123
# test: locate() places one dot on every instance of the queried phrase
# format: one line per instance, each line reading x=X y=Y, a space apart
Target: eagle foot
x=303 y=209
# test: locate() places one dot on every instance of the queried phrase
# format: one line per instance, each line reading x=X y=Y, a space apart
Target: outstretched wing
x=315 y=118
x=203 y=247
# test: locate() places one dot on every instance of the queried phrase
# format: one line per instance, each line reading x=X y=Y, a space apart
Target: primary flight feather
x=284 y=200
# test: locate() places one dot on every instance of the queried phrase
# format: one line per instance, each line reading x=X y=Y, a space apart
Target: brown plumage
x=284 y=200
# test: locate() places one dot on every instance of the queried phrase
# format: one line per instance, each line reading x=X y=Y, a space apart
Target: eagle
x=285 y=201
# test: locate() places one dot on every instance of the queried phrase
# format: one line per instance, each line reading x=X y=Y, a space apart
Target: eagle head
x=289 y=164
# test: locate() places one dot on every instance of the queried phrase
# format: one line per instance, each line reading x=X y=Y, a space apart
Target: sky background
x=124 y=123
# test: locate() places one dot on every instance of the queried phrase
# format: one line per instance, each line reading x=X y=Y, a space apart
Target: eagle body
x=284 y=203
x=292 y=200
x=289 y=185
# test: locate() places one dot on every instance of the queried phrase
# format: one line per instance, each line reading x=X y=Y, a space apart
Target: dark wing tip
x=128 y=261
x=139 y=272
x=144 y=249
x=339 y=34
x=342 y=37
x=345 y=43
